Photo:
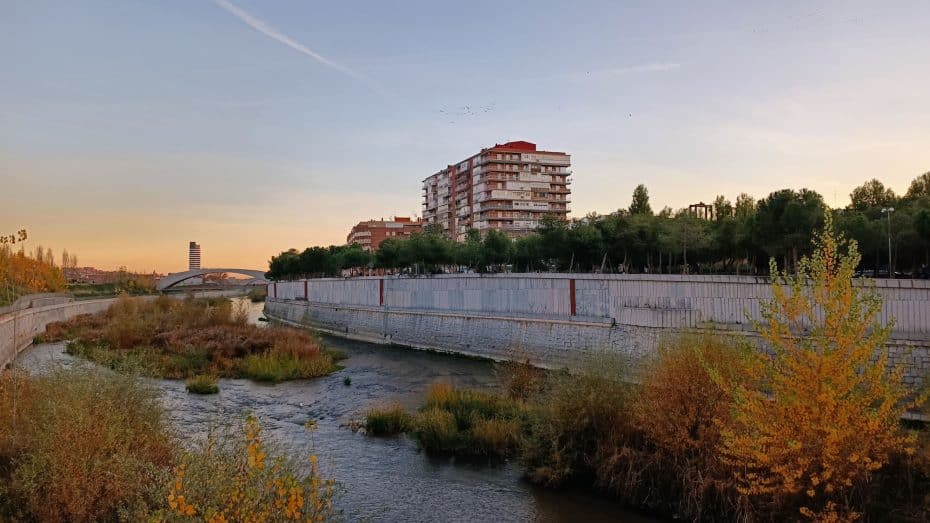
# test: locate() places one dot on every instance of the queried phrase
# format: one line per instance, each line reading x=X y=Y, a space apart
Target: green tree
x=920 y=186
x=785 y=222
x=871 y=194
x=640 y=204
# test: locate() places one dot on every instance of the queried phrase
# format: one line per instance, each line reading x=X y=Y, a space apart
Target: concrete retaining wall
x=18 y=328
x=555 y=318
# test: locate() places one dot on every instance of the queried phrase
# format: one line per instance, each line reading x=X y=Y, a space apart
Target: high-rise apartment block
x=193 y=256
x=370 y=234
x=508 y=187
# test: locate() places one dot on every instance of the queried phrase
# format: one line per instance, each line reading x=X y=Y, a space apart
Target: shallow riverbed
x=382 y=479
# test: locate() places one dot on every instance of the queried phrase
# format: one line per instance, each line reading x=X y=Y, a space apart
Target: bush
x=388 y=421
x=820 y=414
x=572 y=418
x=238 y=480
x=81 y=445
x=665 y=456
x=203 y=384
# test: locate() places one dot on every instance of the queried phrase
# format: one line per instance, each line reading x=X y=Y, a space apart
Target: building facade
x=371 y=233
x=508 y=187
x=193 y=256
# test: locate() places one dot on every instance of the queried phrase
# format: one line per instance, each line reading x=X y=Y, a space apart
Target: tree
x=495 y=249
x=745 y=206
x=640 y=204
x=920 y=186
x=821 y=410
x=870 y=195
x=785 y=222
x=722 y=207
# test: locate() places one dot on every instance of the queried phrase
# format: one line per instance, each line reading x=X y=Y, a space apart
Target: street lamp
x=888 y=211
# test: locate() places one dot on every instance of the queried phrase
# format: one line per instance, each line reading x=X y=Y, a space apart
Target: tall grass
x=81 y=445
x=388 y=421
x=179 y=339
x=86 y=444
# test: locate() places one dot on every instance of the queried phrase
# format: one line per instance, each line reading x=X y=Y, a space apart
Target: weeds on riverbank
x=88 y=444
x=179 y=339
x=81 y=445
x=236 y=480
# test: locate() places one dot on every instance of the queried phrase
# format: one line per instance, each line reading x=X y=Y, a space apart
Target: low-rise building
x=371 y=233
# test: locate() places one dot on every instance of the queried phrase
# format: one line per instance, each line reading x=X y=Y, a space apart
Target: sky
x=129 y=128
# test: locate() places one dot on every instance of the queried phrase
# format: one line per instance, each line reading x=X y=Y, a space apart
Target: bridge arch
x=173 y=279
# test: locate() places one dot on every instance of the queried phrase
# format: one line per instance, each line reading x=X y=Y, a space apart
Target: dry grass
x=86 y=444
x=82 y=445
x=179 y=339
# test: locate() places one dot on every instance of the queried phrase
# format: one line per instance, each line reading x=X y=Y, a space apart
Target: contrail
x=269 y=31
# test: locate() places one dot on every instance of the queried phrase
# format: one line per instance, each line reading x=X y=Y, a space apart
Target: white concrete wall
x=663 y=301
x=17 y=329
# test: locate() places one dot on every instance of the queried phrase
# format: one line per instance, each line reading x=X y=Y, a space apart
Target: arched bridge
x=173 y=279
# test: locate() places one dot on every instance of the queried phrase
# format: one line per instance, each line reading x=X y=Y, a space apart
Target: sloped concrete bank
x=19 y=327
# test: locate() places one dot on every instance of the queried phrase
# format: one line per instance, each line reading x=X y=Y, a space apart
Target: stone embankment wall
x=19 y=327
x=552 y=319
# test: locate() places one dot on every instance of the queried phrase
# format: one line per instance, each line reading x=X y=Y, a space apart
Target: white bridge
x=258 y=277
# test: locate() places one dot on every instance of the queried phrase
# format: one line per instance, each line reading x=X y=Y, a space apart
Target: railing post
x=381 y=292
x=571 y=294
x=275 y=289
x=306 y=292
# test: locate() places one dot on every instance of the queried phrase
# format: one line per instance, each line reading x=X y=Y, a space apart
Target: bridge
x=173 y=279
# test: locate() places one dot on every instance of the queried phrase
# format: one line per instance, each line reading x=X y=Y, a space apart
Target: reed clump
x=180 y=339
x=202 y=384
x=389 y=420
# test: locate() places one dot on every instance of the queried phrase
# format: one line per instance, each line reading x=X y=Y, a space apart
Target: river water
x=381 y=479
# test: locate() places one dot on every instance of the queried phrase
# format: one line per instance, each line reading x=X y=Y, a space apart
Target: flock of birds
x=466 y=111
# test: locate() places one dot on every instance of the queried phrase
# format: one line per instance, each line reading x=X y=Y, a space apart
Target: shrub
x=234 y=480
x=821 y=414
x=81 y=445
x=572 y=418
x=664 y=456
x=388 y=421
x=203 y=384
x=275 y=367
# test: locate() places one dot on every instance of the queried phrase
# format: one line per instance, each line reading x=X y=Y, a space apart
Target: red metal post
x=381 y=291
x=306 y=294
x=571 y=294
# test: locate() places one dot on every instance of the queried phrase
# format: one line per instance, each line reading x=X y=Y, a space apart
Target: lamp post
x=888 y=211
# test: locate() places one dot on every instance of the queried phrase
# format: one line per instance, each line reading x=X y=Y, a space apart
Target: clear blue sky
x=128 y=128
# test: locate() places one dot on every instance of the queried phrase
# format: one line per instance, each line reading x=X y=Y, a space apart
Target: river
x=382 y=479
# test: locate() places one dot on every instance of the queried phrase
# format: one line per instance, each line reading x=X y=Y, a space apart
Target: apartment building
x=371 y=233
x=508 y=187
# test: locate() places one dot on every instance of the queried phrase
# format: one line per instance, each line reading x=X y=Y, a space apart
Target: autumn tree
x=822 y=411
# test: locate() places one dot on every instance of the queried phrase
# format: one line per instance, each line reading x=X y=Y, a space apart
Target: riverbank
x=384 y=479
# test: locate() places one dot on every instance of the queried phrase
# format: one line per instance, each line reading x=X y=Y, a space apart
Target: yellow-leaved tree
x=821 y=409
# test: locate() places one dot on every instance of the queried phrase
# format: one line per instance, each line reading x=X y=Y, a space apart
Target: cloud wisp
x=262 y=27
x=613 y=72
